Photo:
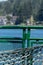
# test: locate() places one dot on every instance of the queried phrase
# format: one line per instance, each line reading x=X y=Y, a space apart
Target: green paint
x=36 y=39
x=24 y=38
x=28 y=43
x=36 y=43
x=20 y=27
x=28 y=37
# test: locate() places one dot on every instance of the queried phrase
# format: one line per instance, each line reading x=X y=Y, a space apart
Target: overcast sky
x=2 y=0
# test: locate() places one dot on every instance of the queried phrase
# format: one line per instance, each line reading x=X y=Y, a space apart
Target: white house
x=13 y=20
x=3 y=20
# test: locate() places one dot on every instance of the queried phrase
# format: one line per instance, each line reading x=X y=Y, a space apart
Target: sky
x=2 y=0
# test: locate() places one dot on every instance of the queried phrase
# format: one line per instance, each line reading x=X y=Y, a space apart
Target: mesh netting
x=27 y=56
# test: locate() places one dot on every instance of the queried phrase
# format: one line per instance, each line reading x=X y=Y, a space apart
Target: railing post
x=24 y=38
x=28 y=38
x=29 y=44
x=23 y=44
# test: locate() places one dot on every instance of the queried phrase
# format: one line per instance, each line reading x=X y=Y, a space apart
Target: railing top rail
x=21 y=27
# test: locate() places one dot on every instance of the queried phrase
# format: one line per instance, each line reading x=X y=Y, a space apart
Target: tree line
x=23 y=8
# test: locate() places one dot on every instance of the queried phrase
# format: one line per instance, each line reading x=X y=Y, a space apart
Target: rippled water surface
x=17 y=33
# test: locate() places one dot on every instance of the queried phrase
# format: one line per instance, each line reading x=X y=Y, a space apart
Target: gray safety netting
x=27 y=56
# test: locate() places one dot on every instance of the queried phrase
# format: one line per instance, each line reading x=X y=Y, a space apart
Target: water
x=16 y=33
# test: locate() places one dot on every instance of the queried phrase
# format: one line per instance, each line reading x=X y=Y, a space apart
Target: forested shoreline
x=23 y=8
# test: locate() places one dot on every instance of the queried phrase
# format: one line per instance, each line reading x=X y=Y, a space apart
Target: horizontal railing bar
x=10 y=38
x=11 y=41
x=21 y=27
x=18 y=38
x=36 y=39
x=36 y=42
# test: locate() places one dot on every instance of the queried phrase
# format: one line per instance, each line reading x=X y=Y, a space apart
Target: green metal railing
x=26 y=36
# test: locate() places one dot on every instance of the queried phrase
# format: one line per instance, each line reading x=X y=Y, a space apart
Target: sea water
x=17 y=33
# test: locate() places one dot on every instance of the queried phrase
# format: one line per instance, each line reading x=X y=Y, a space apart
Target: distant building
x=1 y=22
x=4 y=21
x=13 y=20
x=28 y=22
